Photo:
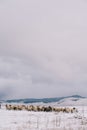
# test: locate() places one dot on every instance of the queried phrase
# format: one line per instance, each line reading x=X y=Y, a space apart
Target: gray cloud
x=43 y=48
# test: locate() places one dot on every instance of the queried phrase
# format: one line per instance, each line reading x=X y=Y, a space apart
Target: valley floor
x=24 y=120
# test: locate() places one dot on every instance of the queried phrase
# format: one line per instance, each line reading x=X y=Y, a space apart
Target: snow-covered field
x=25 y=120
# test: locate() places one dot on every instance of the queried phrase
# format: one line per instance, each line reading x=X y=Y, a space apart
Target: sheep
x=40 y=108
x=8 y=107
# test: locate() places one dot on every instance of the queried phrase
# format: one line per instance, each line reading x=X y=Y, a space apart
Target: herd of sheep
x=40 y=108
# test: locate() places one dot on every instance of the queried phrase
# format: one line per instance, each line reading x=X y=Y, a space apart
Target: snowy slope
x=24 y=120
x=72 y=102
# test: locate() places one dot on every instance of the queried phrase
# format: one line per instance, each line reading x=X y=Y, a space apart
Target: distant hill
x=72 y=101
x=43 y=100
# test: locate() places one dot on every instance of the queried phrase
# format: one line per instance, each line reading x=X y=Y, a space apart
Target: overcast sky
x=43 y=48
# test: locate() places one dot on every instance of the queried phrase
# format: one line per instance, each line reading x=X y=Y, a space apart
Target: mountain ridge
x=44 y=100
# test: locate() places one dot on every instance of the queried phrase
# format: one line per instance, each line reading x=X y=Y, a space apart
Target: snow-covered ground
x=25 y=120
x=71 y=102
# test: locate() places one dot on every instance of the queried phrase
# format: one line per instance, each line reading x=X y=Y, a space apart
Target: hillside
x=58 y=100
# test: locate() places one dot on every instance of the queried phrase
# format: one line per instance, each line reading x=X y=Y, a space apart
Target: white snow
x=71 y=102
x=25 y=120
